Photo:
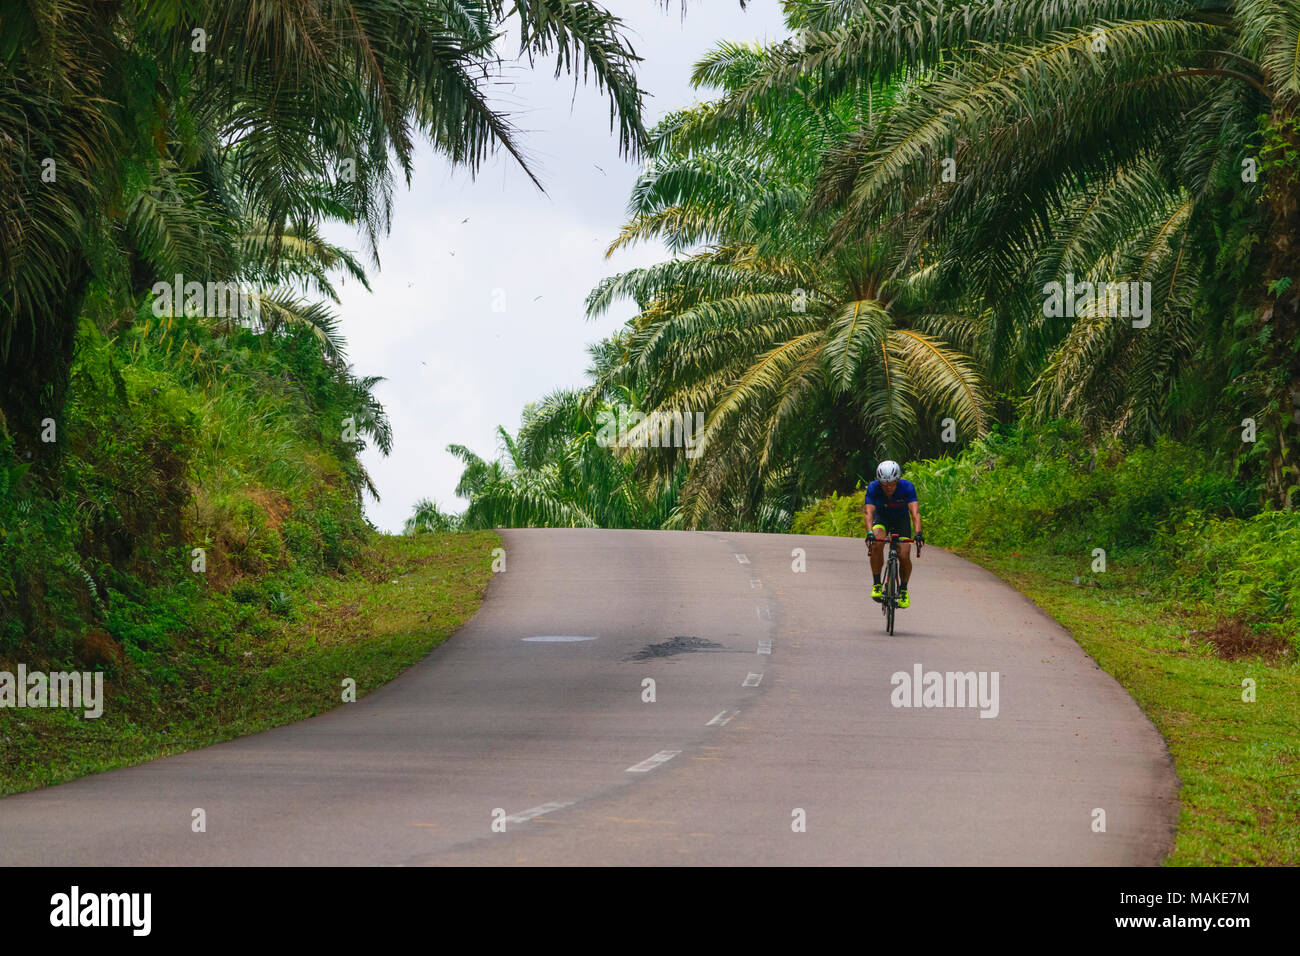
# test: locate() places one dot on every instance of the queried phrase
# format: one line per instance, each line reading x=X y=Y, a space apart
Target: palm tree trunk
x=1280 y=312
x=37 y=370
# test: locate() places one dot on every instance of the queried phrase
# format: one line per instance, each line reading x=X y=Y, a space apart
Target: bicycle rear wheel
x=891 y=594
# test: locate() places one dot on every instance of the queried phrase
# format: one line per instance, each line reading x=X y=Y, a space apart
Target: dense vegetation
x=891 y=233
x=179 y=427
x=178 y=439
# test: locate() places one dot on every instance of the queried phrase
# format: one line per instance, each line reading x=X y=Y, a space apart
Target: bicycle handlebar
x=896 y=538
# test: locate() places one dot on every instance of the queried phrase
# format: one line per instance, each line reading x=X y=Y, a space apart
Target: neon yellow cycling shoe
x=877 y=592
x=904 y=600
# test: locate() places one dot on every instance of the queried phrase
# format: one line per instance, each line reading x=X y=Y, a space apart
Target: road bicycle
x=892 y=579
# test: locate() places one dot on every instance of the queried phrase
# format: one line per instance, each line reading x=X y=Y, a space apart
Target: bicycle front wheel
x=891 y=594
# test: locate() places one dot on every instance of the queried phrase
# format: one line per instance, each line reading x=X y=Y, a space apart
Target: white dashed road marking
x=742 y=559
x=645 y=766
x=536 y=812
x=765 y=647
x=722 y=719
x=753 y=680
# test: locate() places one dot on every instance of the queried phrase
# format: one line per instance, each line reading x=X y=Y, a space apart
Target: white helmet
x=888 y=471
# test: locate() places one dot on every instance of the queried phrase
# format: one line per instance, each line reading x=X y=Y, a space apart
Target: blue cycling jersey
x=891 y=510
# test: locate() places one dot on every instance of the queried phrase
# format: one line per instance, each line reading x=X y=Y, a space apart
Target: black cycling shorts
x=902 y=526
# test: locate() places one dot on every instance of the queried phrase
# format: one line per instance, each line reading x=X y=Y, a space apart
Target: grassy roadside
x=1239 y=762
x=404 y=597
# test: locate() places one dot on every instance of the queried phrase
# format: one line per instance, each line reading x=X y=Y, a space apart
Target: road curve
x=773 y=737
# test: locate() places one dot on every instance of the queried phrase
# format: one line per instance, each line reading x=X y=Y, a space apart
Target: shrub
x=174 y=439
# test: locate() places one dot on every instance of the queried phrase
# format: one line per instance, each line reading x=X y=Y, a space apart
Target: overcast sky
x=455 y=368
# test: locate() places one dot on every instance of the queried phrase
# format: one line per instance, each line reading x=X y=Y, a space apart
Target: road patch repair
x=678 y=645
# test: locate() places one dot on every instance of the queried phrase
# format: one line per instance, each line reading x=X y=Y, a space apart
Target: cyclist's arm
x=915 y=508
x=869 y=513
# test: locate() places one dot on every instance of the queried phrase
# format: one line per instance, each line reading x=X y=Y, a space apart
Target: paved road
x=794 y=756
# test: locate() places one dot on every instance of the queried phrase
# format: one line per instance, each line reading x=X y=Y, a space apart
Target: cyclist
x=890 y=506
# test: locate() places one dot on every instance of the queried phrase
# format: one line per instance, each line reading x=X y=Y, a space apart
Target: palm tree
x=427 y=517
x=1113 y=139
x=301 y=104
x=809 y=365
x=171 y=228
x=559 y=473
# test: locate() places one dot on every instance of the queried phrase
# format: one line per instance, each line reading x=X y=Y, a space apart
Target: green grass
x=403 y=598
x=1239 y=762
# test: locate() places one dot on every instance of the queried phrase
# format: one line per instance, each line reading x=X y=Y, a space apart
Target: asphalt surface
x=773 y=737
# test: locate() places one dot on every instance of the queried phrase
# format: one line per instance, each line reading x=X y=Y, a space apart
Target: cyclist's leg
x=877 y=552
x=878 y=549
x=904 y=572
